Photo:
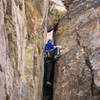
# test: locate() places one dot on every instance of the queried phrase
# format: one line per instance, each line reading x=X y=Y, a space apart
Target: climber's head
x=50 y=41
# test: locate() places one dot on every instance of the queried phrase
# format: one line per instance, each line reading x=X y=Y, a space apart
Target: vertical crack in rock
x=77 y=38
x=54 y=34
x=1 y=68
x=88 y=63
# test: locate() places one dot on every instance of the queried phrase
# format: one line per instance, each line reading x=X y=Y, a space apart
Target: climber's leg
x=49 y=66
x=49 y=69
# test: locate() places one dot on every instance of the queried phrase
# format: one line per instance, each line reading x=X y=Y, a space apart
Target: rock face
x=95 y=64
x=22 y=35
x=56 y=12
x=23 y=28
x=77 y=71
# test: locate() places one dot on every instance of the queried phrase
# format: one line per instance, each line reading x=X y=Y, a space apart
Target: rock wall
x=22 y=36
x=23 y=28
x=77 y=70
x=56 y=12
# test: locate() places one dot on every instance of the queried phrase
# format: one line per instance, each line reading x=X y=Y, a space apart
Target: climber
x=52 y=53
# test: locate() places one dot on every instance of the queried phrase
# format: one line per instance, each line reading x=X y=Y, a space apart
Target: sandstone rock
x=72 y=77
x=95 y=63
x=80 y=29
x=56 y=11
x=22 y=36
x=23 y=28
x=36 y=15
x=2 y=54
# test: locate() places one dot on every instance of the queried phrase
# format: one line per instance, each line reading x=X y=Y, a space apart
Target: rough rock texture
x=23 y=28
x=36 y=15
x=77 y=71
x=95 y=63
x=22 y=35
x=56 y=12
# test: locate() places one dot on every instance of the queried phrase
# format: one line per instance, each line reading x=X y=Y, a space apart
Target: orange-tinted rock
x=22 y=36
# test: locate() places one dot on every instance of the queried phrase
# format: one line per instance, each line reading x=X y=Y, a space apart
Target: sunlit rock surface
x=56 y=11
x=22 y=36
x=36 y=15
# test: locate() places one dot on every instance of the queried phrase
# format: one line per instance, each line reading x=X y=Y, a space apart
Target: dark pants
x=48 y=70
x=49 y=64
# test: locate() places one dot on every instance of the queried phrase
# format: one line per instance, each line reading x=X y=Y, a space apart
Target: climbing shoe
x=48 y=83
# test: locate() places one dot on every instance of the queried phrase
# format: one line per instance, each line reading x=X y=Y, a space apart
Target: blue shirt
x=49 y=46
